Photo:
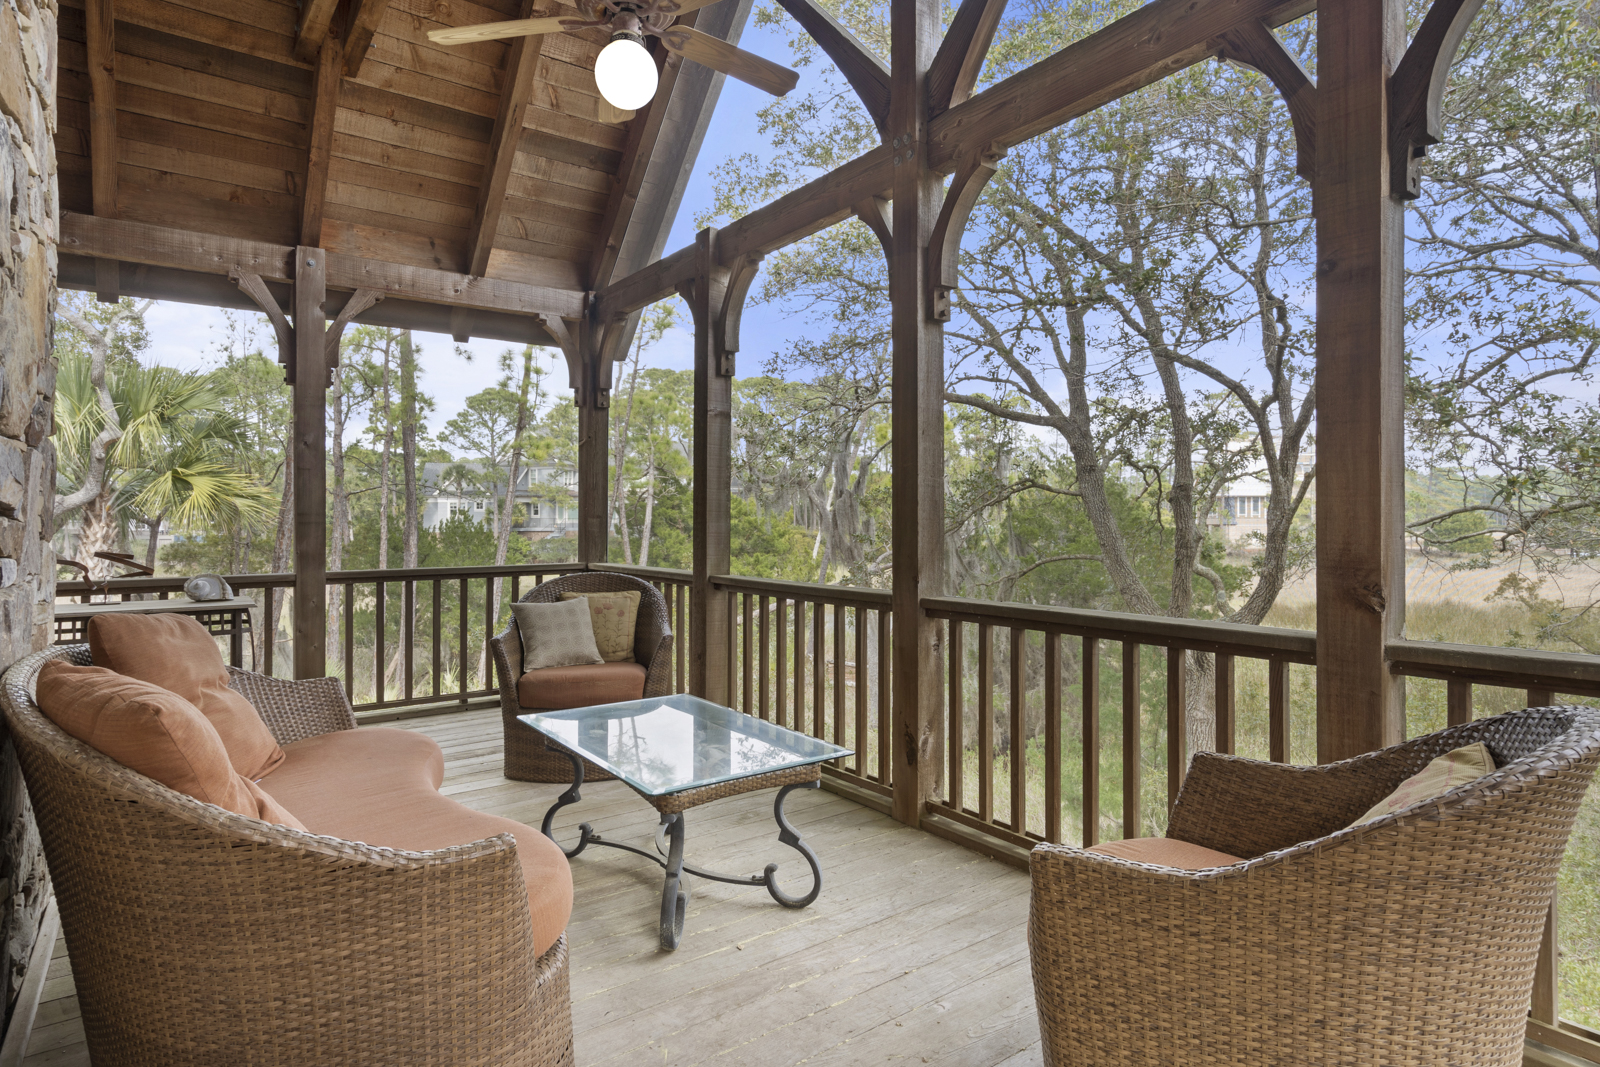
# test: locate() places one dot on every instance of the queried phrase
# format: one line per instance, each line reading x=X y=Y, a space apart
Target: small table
x=222 y=618
x=679 y=752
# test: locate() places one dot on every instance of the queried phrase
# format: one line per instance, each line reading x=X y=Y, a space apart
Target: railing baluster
x=1278 y=710
x=1540 y=698
x=408 y=625
x=270 y=638
x=1052 y=737
x=1177 y=707
x=748 y=638
x=461 y=640
x=781 y=618
x=958 y=746
x=731 y=601
x=1018 y=745
x=800 y=665
x=766 y=664
x=1132 y=762
x=985 y=722
x=859 y=677
x=488 y=627
x=350 y=642
x=1458 y=703
x=438 y=600
x=1091 y=742
x=819 y=670
x=1227 y=716
x=885 y=678
x=681 y=647
x=379 y=645
x=838 y=674
x=1546 y=1003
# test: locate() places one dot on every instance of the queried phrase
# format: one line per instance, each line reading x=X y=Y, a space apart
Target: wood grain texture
x=364 y=19
x=959 y=61
x=100 y=45
x=316 y=17
x=709 y=616
x=522 y=60
x=310 y=381
x=319 y=151
x=1254 y=45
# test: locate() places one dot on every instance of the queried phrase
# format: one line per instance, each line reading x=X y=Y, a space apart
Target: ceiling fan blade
x=718 y=54
x=493 y=31
x=682 y=7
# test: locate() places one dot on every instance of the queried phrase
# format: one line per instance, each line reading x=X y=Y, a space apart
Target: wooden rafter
x=364 y=19
x=867 y=74
x=319 y=148
x=316 y=16
x=522 y=61
x=162 y=246
x=100 y=46
x=959 y=60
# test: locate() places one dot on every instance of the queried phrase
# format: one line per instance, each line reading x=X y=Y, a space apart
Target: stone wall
x=28 y=228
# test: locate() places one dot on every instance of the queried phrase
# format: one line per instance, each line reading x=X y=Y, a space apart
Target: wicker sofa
x=526 y=758
x=1411 y=939
x=201 y=937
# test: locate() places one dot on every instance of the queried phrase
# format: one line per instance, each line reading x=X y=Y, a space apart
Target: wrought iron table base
x=669 y=855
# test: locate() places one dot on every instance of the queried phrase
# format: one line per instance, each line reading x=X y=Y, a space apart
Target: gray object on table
x=222 y=618
x=679 y=752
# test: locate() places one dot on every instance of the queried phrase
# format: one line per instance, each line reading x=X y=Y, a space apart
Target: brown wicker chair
x=1409 y=940
x=527 y=759
x=201 y=937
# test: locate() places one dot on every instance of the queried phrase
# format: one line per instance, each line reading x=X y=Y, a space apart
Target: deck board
x=914 y=953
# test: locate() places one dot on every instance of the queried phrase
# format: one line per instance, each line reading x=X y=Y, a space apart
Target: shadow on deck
x=915 y=952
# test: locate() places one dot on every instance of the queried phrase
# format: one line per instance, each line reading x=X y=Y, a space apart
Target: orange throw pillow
x=176 y=653
x=152 y=731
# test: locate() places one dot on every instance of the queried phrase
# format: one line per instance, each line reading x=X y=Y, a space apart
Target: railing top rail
x=1513 y=668
x=1202 y=635
x=832 y=594
x=669 y=574
x=174 y=582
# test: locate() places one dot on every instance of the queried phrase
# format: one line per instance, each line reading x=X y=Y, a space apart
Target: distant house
x=1242 y=508
x=545 y=503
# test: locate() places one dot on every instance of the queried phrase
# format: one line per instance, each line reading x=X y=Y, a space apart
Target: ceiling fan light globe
x=625 y=73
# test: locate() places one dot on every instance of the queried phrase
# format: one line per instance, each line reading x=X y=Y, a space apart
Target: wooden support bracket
x=567 y=339
x=876 y=213
x=1416 y=91
x=741 y=275
x=252 y=286
x=944 y=244
x=359 y=301
x=867 y=74
x=1255 y=46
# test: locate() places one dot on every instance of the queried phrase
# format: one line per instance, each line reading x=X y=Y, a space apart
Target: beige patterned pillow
x=614 y=616
x=555 y=635
x=1465 y=764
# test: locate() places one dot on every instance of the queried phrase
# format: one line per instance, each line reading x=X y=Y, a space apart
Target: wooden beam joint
x=959 y=61
x=1416 y=92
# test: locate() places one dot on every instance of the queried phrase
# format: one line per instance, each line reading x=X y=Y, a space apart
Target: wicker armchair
x=201 y=937
x=1411 y=939
x=527 y=759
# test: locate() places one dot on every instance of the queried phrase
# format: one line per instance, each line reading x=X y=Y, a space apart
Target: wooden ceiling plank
x=444 y=235
x=959 y=61
x=399 y=181
x=419 y=86
x=319 y=150
x=209 y=116
x=366 y=154
x=194 y=85
x=867 y=74
x=415 y=210
x=390 y=245
x=228 y=171
x=199 y=23
x=358 y=40
x=522 y=63
x=141 y=127
x=396 y=107
x=184 y=250
x=99 y=25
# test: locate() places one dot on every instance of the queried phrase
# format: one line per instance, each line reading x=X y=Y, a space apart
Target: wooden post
x=594 y=436
x=309 y=373
x=1360 y=341
x=917 y=417
x=713 y=452
x=101 y=52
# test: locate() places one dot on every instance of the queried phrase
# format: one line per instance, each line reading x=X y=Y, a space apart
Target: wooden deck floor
x=914 y=953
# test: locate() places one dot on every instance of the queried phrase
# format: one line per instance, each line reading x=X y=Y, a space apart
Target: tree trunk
x=383 y=459
x=98 y=534
x=150 y=549
x=408 y=446
x=341 y=504
x=649 y=511
x=619 y=496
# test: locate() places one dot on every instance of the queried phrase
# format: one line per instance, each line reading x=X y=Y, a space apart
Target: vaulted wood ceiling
x=494 y=159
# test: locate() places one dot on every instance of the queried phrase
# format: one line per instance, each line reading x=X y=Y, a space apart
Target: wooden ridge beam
x=319 y=149
x=163 y=246
x=961 y=54
x=867 y=74
x=522 y=62
x=100 y=46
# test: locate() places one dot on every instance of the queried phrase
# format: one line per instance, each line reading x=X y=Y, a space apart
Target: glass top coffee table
x=679 y=752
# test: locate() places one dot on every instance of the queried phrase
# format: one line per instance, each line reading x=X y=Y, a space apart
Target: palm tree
x=171 y=461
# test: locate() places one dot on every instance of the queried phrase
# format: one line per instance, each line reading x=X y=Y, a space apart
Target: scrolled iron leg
x=586 y=834
x=789 y=836
x=674 y=897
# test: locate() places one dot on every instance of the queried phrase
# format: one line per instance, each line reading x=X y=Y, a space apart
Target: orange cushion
x=581 y=686
x=176 y=653
x=1166 y=852
x=381 y=786
x=157 y=733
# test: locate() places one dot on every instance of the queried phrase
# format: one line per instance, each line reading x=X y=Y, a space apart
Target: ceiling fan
x=625 y=72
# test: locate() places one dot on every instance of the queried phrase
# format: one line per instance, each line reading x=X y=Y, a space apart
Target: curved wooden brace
x=867 y=74
x=557 y=327
x=1416 y=91
x=252 y=286
x=359 y=301
x=1254 y=45
x=875 y=212
x=944 y=244
x=741 y=275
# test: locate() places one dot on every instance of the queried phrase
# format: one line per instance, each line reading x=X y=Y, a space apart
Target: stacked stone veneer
x=27 y=459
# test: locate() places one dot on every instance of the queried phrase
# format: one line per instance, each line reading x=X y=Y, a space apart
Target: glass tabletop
x=668 y=744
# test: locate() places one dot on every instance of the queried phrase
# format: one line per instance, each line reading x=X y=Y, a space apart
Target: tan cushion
x=381 y=786
x=581 y=687
x=152 y=731
x=555 y=635
x=614 y=616
x=1443 y=774
x=1166 y=852
x=176 y=653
